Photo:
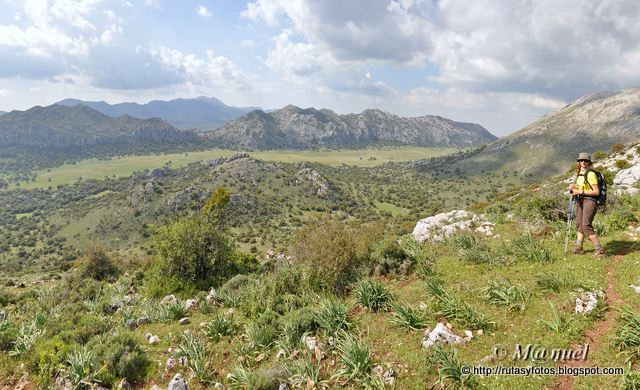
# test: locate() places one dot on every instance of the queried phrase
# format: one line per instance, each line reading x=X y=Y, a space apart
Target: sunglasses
x=583 y=160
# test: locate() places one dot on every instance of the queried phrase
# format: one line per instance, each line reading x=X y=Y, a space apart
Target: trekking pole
x=569 y=223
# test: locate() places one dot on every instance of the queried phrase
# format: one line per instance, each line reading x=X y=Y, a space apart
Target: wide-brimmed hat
x=584 y=156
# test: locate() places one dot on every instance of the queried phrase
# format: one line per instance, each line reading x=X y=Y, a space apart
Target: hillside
x=203 y=113
x=42 y=137
x=80 y=126
x=549 y=145
x=333 y=293
x=297 y=128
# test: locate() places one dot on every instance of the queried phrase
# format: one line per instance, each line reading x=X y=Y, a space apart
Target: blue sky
x=498 y=63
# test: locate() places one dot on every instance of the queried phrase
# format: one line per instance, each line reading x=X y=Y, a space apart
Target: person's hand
x=573 y=187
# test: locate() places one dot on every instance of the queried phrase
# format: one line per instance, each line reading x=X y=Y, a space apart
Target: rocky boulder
x=440 y=226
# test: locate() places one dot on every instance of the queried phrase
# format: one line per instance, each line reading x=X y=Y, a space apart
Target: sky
x=499 y=63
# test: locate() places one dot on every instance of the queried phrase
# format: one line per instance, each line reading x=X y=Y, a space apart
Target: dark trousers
x=586 y=209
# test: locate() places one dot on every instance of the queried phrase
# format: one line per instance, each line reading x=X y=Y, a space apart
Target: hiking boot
x=599 y=252
x=577 y=251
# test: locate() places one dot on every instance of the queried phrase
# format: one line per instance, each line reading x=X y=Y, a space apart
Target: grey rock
x=3 y=315
x=169 y=299
x=131 y=324
x=143 y=320
x=178 y=383
x=184 y=321
x=124 y=385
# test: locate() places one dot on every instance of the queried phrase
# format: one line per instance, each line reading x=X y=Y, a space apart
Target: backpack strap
x=586 y=176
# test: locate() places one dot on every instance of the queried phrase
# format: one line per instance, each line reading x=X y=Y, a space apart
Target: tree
x=96 y=263
x=198 y=249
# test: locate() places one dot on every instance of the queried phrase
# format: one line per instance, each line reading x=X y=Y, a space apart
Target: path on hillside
x=594 y=336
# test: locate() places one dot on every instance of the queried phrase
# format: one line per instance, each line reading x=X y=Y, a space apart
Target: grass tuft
x=503 y=293
x=373 y=295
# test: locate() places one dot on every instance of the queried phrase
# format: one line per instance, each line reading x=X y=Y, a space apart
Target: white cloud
x=214 y=70
x=152 y=3
x=308 y=66
x=203 y=12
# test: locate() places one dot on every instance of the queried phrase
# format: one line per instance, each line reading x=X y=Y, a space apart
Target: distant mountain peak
x=295 y=127
x=188 y=113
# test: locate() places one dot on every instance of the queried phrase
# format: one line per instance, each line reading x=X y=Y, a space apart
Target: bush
x=390 y=257
x=599 y=155
x=328 y=247
x=618 y=218
x=195 y=250
x=97 y=264
x=119 y=357
x=617 y=148
x=622 y=164
x=294 y=325
x=8 y=334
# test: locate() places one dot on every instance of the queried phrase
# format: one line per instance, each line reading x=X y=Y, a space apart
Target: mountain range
x=202 y=113
x=59 y=127
x=297 y=128
x=550 y=145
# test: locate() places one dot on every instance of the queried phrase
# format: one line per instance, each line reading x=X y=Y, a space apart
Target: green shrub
x=373 y=295
x=557 y=322
x=622 y=164
x=466 y=241
x=332 y=316
x=294 y=325
x=407 y=317
x=618 y=218
x=389 y=257
x=599 y=155
x=7 y=298
x=452 y=307
x=194 y=250
x=301 y=372
x=259 y=337
x=551 y=282
x=526 y=247
x=97 y=264
x=328 y=247
x=193 y=348
x=241 y=379
x=48 y=357
x=504 y=293
x=27 y=336
x=356 y=358
x=118 y=357
x=627 y=333
x=450 y=369
x=8 y=335
x=80 y=364
x=220 y=326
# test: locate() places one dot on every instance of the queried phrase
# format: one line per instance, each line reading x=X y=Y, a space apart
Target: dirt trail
x=594 y=335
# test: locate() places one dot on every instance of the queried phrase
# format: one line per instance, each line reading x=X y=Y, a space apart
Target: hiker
x=586 y=191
